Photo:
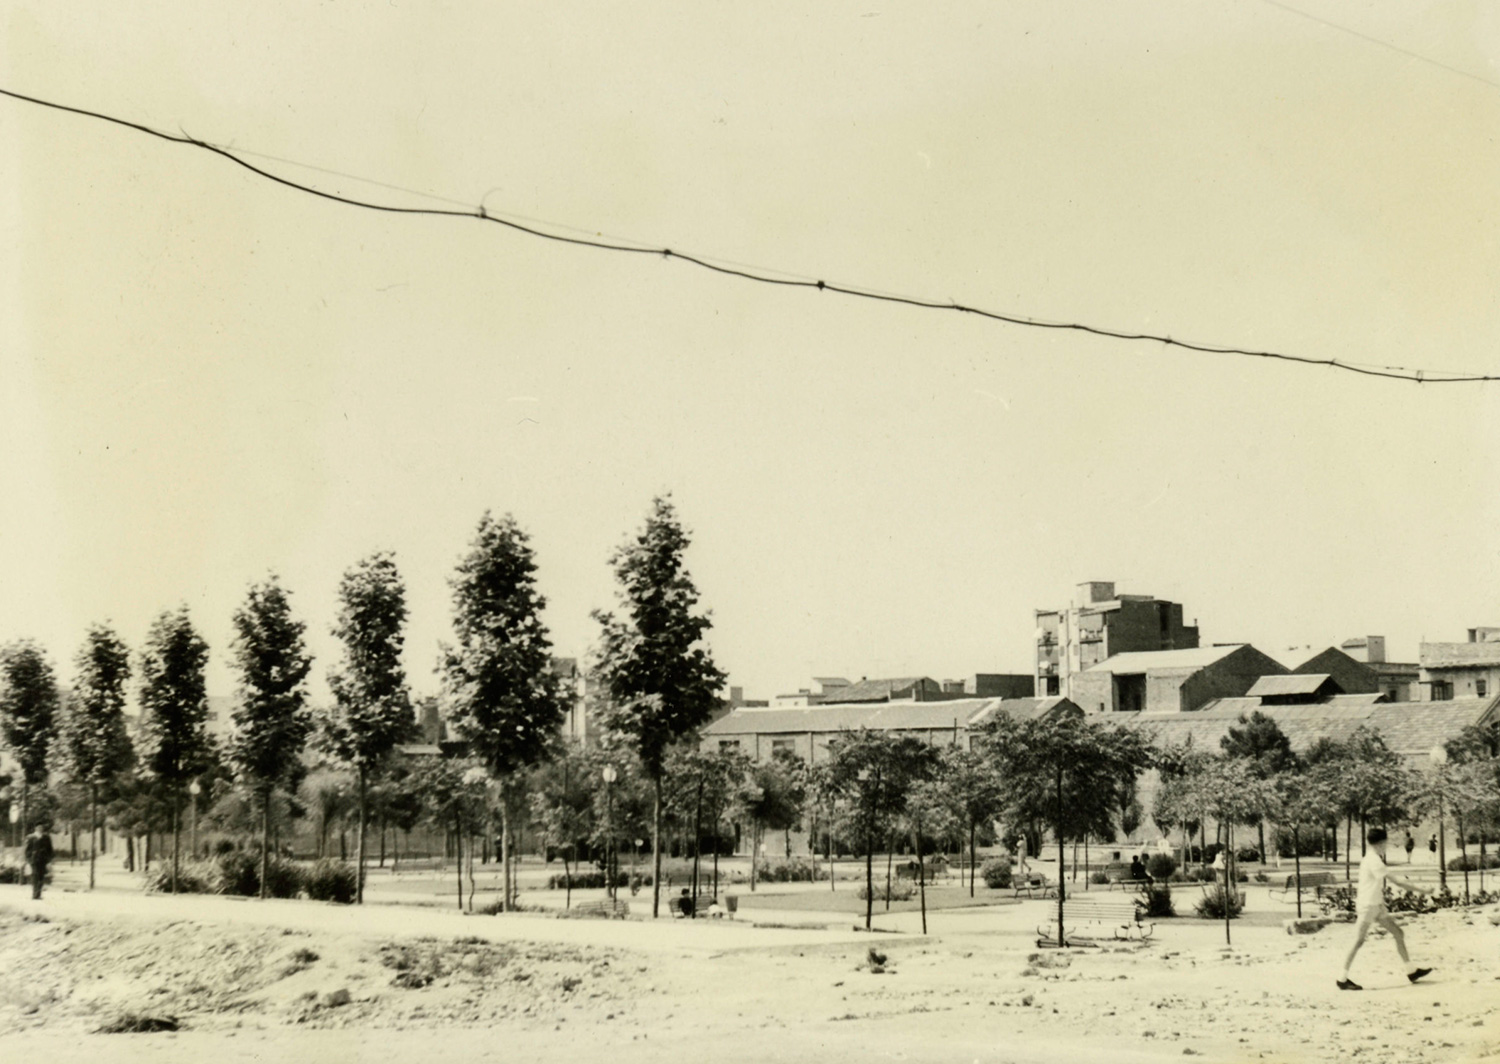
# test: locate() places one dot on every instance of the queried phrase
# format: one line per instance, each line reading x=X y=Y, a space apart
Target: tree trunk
x=458 y=850
x=1231 y=888
x=655 y=847
x=971 y=857
x=94 y=831
x=1062 y=870
x=568 y=878
x=176 y=838
x=1463 y=849
x=1297 y=859
x=359 y=844
x=505 y=906
x=754 y=851
x=921 y=875
x=889 y=846
x=869 y=874
x=265 y=839
x=129 y=852
x=697 y=841
x=1260 y=827
x=1348 y=836
x=830 y=849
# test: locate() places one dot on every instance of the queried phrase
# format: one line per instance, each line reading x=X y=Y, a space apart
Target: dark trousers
x=38 y=874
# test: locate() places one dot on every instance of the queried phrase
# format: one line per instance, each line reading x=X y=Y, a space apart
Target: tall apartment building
x=1099 y=624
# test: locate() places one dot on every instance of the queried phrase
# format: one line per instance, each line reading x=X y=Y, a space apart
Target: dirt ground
x=263 y=981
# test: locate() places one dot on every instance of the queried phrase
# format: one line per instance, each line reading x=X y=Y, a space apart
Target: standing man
x=1369 y=908
x=38 y=856
x=1411 y=844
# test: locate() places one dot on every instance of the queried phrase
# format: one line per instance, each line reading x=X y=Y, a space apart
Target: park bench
x=1318 y=883
x=1091 y=917
x=1033 y=885
x=932 y=869
x=610 y=908
x=700 y=906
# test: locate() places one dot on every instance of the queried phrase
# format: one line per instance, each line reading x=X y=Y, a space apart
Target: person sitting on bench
x=685 y=904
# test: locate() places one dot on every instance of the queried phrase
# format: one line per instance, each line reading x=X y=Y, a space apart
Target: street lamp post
x=194 y=789
x=610 y=775
x=1439 y=758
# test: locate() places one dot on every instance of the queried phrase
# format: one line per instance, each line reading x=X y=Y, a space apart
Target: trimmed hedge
x=331 y=880
x=996 y=873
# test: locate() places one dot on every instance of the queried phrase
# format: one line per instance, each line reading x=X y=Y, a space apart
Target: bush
x=1161 y=866
x=996 y=873
x=239 y=873
x=193 y=877
x=1157 y=900
x=1099 y=878
x=795 y=870
x=331 y=880
x=1471 y=863
x=1247 y=853
x=901 y=890
x=1211 y=906
x=10 y=873
x=594 y=881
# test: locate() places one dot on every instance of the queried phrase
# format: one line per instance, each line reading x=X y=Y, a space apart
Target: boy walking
x=1369 y=908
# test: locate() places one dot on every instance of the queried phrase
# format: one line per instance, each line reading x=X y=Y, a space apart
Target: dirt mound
x=198 y=976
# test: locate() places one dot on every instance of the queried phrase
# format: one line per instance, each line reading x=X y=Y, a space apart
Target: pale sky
x=205 y=377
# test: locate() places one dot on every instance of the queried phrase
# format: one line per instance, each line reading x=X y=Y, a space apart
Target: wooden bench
x=1091 y=917
x=608 y=908
x=933 y=869
x=1034 y=885
x=1317 y=882
x=700 y=906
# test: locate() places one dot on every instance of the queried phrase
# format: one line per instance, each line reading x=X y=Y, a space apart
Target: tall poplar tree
x=95 y=742
x=174 y=711
x=372 y=706
x=28 y=714
x=656 y=671
x=271 y=720
x=507 y=699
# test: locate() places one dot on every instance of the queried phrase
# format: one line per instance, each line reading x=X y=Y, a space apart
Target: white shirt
x=1372 y=873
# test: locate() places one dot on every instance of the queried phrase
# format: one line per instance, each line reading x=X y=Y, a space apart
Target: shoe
x=1349 y=984
x=1414 y=976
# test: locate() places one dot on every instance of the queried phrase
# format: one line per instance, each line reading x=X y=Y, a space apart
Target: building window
x=782 y=744
x=1442 y=691
x=729 y=744
x=1480 y=687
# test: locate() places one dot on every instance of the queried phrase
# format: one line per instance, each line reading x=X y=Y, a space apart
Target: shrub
x=1247 y=853
x=239 y=873
x=1157 y=900
x=1100 y=878
x=10 y=873
x=594 y=881
x=996 y=873
x=193 y=877
x=1161 y=866
x=1212 y=904
x=795 y=870
x=900 y=890
x=331 y=880
x=1471 y=863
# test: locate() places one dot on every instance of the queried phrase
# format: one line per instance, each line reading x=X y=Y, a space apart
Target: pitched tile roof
x=1154 y=660
x=1303 y=683
x=1409 y=728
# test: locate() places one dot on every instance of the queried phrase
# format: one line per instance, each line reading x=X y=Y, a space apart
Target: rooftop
x=1306 y=683
x=1155 y=660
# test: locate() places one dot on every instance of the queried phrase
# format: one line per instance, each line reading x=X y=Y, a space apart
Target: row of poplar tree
x=505 y=697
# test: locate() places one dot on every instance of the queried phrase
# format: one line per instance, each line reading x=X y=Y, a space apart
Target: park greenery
x=295 y=797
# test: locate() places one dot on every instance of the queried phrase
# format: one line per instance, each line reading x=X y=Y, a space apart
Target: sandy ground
x=267 y=981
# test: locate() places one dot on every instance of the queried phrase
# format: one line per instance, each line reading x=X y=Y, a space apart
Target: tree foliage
x=175 y=743
x=95 y=742
x=658 y=677
x=372 y=709
x=29 y=702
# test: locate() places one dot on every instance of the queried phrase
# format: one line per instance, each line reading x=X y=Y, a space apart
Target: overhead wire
x=761 y=275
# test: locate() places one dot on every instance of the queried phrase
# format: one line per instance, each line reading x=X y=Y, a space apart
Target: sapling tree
x=29 y=702
x=271 y=719
x=1259 y=742
x=656 y=671
x=507 y=699
x=372 y=707
x=174 y=711
x=95 y=743
x=1065 y=771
